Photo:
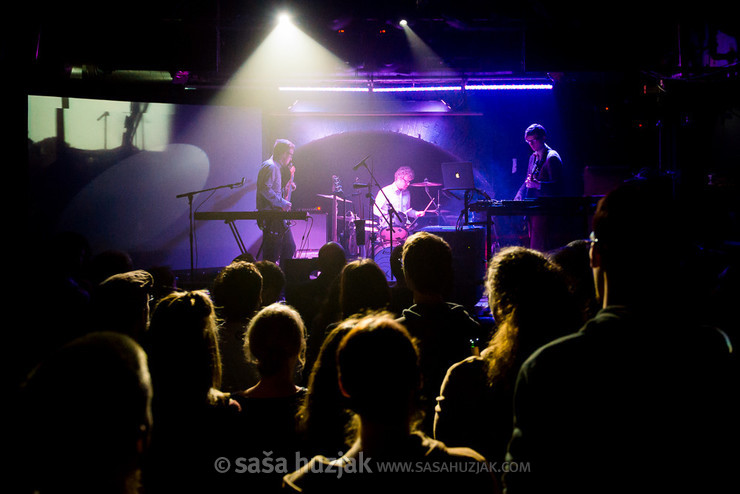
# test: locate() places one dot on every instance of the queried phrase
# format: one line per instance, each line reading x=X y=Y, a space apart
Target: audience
x=317 y=300
x=85 y=419
x=573 y=259
x=121 y=303
x=401 y=297
x=531 y=304
x=105 y=264
x=194 y=421
x=325 y=422
x=600 y=374
x=362 y=287
x=642 y=398
x=268 y=425
x=379 y=375
x=273 y=282
x=445 y=332
x=61 y=270
x=237 y=295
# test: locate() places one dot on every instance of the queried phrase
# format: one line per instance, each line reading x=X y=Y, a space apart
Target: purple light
x=413 y=89
x=503 y=87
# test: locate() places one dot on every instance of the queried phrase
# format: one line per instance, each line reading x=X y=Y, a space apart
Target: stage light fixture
x=283 y=18
x=403 y=23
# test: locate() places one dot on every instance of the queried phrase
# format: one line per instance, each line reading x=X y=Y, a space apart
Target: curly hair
x=531 y=303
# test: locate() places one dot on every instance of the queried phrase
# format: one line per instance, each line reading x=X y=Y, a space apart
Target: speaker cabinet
x=468 y=246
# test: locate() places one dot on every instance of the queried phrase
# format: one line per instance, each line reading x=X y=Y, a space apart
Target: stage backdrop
x=112 y=170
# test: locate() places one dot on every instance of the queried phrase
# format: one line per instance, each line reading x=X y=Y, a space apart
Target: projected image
x=112 y=171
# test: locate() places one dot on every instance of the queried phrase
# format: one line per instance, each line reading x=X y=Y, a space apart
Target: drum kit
x=374 y=238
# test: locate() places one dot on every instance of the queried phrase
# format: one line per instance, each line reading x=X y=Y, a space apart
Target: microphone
x=358 y=165
x=359 y=185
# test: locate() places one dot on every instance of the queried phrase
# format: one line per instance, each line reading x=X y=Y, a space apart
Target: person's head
x=637 y=244
x=535 y=135
x=273 y=281
x=237 y=291
x=427 y=264
x=573 y=259
x=182 y=344
x=121 y=303
x=87 y=416
x=378 y=369
x=276 y=340
x=331 y=258
x=403 y=177
x=363 y=286
x=397 y=265
x=324 y=412
x=530 y=301
x=282 y=152
x=108 y=263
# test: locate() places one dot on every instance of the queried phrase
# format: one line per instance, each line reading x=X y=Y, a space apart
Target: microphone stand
x=190 y=196
x=391 y=210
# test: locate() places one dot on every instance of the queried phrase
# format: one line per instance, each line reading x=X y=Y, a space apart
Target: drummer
x=398 y=195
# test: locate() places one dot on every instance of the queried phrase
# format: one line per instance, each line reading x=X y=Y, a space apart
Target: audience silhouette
x=267 y=423
x=194 y=421
x=383 y=392
x=612 y=366
x=237 y=295
x=121 y=303
x=641 y=399
x=446 y=333
x=531 y=304
x=273 y=282
x=325 y=422
x=85 y=418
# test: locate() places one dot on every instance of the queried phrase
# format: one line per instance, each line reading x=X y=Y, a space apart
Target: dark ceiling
x=210 y=38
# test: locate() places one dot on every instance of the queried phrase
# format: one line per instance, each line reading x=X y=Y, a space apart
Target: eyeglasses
x=530 y=140
x=592 y=238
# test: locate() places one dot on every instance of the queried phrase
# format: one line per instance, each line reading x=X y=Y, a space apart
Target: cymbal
x=330 y=196
x=425 y=183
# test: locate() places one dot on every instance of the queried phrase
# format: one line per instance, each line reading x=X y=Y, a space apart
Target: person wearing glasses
x=399 y=197
x=544 y=179
x=273 y=194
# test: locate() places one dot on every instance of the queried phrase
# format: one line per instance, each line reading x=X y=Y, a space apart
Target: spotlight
x=284 y=18
x=403 y=23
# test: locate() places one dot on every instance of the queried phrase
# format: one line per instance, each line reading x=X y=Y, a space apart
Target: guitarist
x=273 y=194
x=544 y=179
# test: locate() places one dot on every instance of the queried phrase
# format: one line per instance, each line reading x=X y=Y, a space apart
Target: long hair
x=182 y=344
x=378 y=366
x=531 y=304
x=363 y=286
x=324 y=418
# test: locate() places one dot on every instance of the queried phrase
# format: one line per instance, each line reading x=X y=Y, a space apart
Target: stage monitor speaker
x=468 y=246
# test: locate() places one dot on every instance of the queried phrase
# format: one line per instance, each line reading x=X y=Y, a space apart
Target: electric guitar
x=290 y=186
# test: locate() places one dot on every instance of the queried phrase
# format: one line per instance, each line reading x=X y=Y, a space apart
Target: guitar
x=290 y=185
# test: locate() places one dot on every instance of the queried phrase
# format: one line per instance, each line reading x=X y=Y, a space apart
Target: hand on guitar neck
x=289 y=188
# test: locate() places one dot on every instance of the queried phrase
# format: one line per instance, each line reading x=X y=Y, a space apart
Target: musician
x=544 y=179
x=545 y=168
x=274 y=186
x=399 y=197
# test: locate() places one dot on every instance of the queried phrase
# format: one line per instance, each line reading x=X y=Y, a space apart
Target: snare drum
x=399 y=233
